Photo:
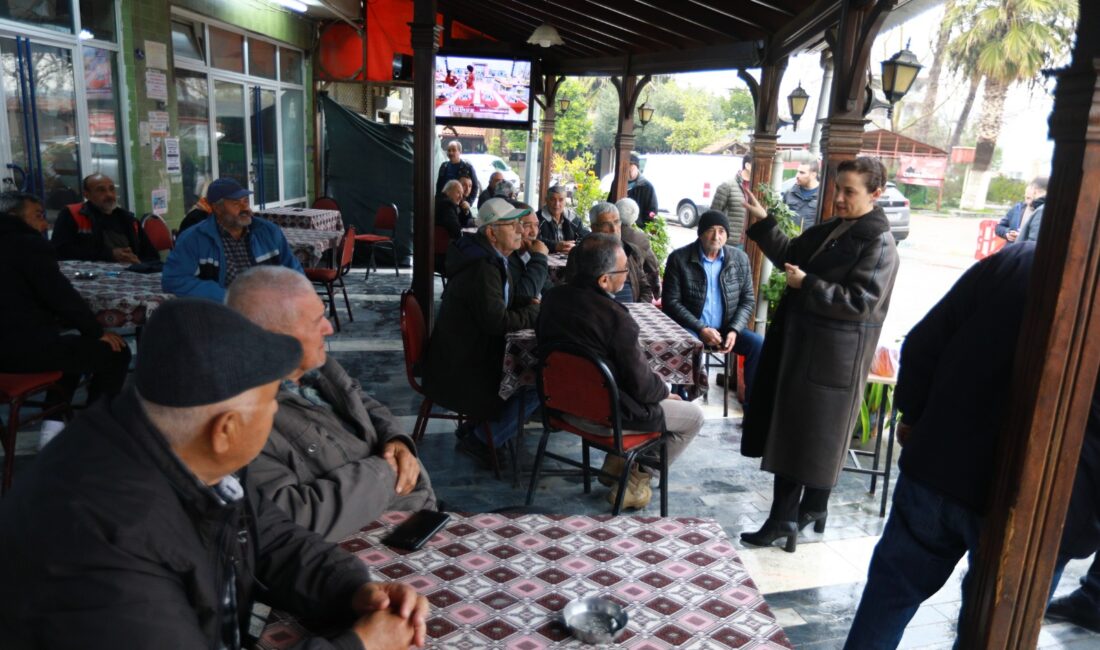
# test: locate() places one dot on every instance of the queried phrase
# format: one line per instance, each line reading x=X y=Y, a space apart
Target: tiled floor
x=814 y=592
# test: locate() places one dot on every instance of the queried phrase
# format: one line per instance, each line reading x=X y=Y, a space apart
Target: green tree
x=573 y=130
x=1010 y=41
x=698 y=127
x=738 y=113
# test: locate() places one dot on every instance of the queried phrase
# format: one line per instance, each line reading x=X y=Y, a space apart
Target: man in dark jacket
x=641 y=190
x=480 y=305
x=490 y=191
x=604 y=218
x=137 y=527
x=802 y=197
x=559 y=228
x=455 y=168
x=101 y=231
x=528 y=264
x=708 y=291
x=583 y=313
x=1018 y=215
x=40 y=303
x=953 y=364
x=336 y=456
x=628 y=216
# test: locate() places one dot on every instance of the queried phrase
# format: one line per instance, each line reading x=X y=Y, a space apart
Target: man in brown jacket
x=336 y=458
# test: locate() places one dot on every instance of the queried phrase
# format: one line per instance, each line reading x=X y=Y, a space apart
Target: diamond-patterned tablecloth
x=307 y=218
x=672 y=353
x=500 y=581
x=117 y=300
x=556 y=262
x=310 y=245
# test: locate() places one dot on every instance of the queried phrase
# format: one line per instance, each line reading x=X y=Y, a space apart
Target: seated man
x=528 y=263
x=100 y=230
x=197 y=215
x=559 y=228
x=209 y=256
x=583 y=313
x=136 y=531
x=489 y=192
x=604 y=218
x=40 y=304
x=449 y=212
x=336 y=457
x=708 y=291
x=628 y=216
x=464 y=360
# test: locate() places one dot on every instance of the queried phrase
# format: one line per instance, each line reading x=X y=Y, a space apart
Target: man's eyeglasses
x=617 y=272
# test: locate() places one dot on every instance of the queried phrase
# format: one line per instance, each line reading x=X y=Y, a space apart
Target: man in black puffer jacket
x=708 y=291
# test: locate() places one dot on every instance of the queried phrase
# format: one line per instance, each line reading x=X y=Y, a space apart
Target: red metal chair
x=325 y=203
x=14 y=391
x=331 y=278
x=988 y=241
x=384 y=219
x=572 y=382
x=158 y=232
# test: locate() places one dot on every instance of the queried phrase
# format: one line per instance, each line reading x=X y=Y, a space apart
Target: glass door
x=231 y=132
x=265 y=152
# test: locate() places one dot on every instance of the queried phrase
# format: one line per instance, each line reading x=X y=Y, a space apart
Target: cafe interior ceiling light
x=545 y=35
x=898 y=74
x=293 y=5
x=797 y=101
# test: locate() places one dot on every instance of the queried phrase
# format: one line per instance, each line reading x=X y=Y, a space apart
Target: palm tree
x=939 y=53
x=1011 y=41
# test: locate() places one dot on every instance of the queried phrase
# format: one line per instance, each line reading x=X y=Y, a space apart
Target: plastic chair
x=572 y=382
x=325 y=203
x=988 y=241
x=15 y=388
x=331 y=278
x=384 y=219
x=158 y=232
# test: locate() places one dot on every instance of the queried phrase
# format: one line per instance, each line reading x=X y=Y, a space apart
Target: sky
x=1025 y=154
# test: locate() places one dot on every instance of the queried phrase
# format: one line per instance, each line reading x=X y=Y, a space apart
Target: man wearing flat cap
x=480 y=305
x=136 y=526
x=336 y=458
x=210 y=255
x=708 y=291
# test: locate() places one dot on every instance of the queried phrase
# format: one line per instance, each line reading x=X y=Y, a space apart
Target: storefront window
x=187 y=40
x=290 y=66
x=104 y=122
x=294 y=144
x=226 y=50
x=229 y=122
x=97 y=19
x=192 y=99
x=55 y=15
x=261 y=59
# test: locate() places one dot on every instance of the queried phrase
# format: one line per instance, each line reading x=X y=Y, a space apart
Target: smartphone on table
x=415 y=531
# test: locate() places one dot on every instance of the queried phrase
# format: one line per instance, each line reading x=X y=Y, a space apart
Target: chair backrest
x=386 y=217
x=347 y=251
x=414 y=335
x=441 y=240
x=571 y=381
x=325 y=203
x=158 y=232
x=988 y=241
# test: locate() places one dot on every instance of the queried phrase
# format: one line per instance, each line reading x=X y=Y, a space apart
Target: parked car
x=685 y=183
x=485 y=164
x=893 y=204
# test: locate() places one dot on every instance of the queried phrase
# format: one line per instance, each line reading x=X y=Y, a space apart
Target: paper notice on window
x=160 y=201
x=156 y=85
x=156 y=55
x=158 y=122
x=158 y=149
x=172 y=155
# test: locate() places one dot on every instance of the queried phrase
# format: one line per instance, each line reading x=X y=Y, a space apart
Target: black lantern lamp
x=563 y=105
x=898 y=74
x=645 y=114
x=796 y=101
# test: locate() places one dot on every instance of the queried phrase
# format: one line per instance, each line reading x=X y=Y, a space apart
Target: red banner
x=921 y=170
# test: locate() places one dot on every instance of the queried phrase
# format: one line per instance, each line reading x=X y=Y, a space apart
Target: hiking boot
x=638 y=492
x=613 y=465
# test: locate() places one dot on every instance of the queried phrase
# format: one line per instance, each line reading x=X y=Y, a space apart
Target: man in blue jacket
x=1020 y=214
x=209 y=256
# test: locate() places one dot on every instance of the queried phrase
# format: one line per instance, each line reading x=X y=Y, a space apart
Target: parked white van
x=485 y=164
x=685 y=183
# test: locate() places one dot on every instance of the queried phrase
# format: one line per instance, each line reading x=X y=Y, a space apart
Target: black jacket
x=109 y=541
x=531 y=278
x=640 y=289
x=193 y=218
x=466 y=352
x=74 y=242
x=450 y=216
x=449 y=172
x=955 y=364
x=39 y=301
x=685 y=289
x=587 y=317
x=646 y=197
x=572 y=228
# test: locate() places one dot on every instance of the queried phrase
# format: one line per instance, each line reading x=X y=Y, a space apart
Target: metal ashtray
x=594 y=620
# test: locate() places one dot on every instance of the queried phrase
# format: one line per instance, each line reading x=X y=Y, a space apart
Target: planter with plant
x=776 y=284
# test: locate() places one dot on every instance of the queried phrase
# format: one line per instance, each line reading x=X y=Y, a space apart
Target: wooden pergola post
x=629 y=87
x=546 y=129
x=765 y=96
x=425 y=43
x=842 y=133
x=1058 y=353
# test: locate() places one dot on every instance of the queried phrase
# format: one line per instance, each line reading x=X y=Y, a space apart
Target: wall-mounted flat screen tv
x=482 y=91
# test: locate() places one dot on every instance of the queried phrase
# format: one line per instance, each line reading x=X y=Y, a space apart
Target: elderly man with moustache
x=559 y=228
x=138 y=528
x=455 y=168
x=337 y=458
x=529 y=265
x=209 y=256
x=99 y=230
x=604 y=218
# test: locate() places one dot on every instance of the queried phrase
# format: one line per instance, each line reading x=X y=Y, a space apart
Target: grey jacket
x=1030 y=231
x=730 y=200
x=640 y=240
x=324 y=466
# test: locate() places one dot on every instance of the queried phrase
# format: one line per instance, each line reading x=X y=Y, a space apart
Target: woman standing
x=819 y=347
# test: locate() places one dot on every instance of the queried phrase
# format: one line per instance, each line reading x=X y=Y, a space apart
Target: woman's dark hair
x=11 y=203
x=872 y=170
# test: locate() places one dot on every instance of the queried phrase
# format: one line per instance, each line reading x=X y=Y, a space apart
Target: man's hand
x=564 y=246
x=795 y=276
x=404 y=464
x=903 y=433
x=711 y=337
x=113 y=340
x=394 y=598
x=465 y=205
x=1012 y=235
x=124 y=255
x=385 y=631
x=538 y=247
x=674 y=396
x=731 y=339
x=753 y=210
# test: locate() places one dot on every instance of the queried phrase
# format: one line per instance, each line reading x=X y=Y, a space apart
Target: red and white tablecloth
x=671 y=352
x=307 y=218
x=121 y=299
x=500 y=581
x=310 y=245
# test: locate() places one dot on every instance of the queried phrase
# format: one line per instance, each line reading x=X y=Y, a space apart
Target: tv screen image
x=482 y=89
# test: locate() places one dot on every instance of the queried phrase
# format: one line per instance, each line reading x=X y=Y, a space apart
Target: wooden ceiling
x=655 y=36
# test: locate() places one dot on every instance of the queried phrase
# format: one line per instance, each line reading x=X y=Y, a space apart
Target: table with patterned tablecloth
x=556 y=262
x=500 y=581
x=310 y=245
x=307 y=218
x=121 y=300
x=671 y=352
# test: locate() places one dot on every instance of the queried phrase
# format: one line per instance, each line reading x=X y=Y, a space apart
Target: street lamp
x=797 y=102
x=563 y=105
x=898 y=74
x=645 y=114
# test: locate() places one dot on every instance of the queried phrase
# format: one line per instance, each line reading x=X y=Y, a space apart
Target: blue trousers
x=925 y=537
x=516 y=411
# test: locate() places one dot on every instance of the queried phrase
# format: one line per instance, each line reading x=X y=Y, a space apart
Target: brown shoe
x=638 y=492
x=613 y=465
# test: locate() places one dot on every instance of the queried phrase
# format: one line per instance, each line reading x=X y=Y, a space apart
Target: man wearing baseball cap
x=481 y=305
x=136 y=526
x=208 y=256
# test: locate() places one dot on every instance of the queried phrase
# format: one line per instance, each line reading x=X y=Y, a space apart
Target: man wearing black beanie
x=708 y=291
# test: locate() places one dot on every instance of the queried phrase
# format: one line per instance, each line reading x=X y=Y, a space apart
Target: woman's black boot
x=771 y=531
x=817 y=518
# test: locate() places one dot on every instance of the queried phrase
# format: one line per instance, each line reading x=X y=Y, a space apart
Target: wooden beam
x=630 y=88
x=425 y=39
x=806 y=27
x=643 y=24
x=764 y=139
x=546 y=126
x=514 y=31
x=694 y=18
x=714 y=57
